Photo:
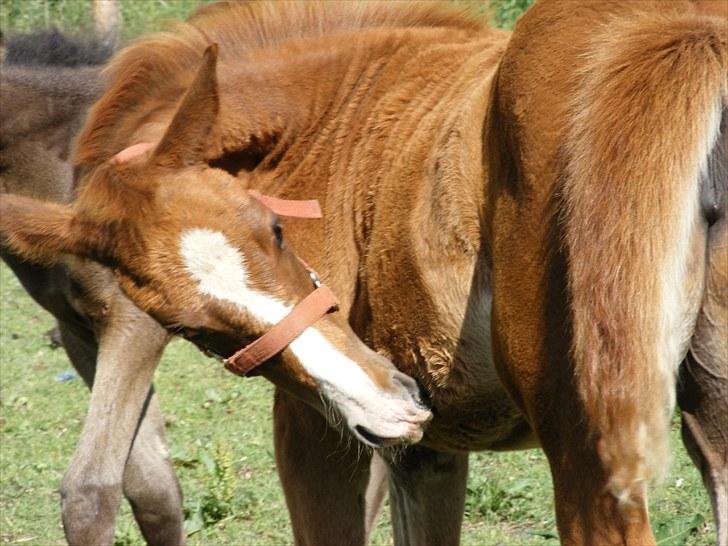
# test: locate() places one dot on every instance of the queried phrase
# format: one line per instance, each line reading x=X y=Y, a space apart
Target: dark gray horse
x=47 y=83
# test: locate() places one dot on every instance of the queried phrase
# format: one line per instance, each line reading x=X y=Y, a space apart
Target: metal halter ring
x=314 y=278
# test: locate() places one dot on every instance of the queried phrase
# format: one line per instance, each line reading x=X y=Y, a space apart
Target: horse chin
x=389 y=422
x=367 y=437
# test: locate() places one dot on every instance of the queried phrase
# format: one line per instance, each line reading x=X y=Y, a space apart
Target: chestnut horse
x=531 y=228
x=45 y=95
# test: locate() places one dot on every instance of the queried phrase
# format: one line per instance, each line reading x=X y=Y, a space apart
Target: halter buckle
x=314 y=278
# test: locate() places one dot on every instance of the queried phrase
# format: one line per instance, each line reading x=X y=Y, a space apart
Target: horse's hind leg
x=324 y=476
x=427 y=496
x=703 y=385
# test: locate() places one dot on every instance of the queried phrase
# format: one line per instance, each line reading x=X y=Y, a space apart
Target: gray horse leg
x=703 y=385
x=130 y=345
x=149 y=481
x=376 y=492
x=427 y=496
x=324 y=477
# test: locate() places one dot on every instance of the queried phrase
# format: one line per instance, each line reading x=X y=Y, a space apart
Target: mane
x=257 y=25
x=54 y=48
x=162 y=65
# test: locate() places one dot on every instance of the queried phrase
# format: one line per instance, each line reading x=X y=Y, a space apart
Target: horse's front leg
x=324 y=476
x=149 y=481
x=703 y=385
x=130 y=345
x=376 y=492
x=427 y=496
x=703 y=401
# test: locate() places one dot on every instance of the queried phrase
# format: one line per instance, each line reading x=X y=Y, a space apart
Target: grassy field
x=219 y=425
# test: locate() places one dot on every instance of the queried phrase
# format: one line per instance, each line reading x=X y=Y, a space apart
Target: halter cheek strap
x=314 y=306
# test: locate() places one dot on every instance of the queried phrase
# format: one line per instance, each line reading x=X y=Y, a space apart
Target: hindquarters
x=603 y=122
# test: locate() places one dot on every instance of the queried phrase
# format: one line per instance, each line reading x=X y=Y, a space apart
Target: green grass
x=220 y=435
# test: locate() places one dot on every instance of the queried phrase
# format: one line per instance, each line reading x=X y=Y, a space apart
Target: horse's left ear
x=183 y=143
x=35 y=230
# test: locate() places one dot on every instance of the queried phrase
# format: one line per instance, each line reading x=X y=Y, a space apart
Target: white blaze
x=220 y=270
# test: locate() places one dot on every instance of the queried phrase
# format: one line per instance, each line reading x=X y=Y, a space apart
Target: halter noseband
x=304 y=314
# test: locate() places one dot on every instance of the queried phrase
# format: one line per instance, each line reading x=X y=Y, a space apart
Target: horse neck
x=395 y=149
x=46 y=104
x=56 y=83
x=424 y=179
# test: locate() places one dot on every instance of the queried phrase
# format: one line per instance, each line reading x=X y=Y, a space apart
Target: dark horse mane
x=54 y=48
x=162 y=65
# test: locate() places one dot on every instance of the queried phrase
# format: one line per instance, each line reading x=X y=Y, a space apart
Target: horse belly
x=473 y=411
x=500 y=427
x=446 y=346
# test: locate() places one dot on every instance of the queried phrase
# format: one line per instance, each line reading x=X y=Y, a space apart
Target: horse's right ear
x=35 y=230
x=186 y=136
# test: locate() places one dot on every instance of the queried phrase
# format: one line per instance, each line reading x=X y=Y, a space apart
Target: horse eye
x=278 y=233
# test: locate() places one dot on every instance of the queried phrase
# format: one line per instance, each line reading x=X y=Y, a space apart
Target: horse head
x=191 y=247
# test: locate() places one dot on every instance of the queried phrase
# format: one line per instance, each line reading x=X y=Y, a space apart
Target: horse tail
x=647 y=116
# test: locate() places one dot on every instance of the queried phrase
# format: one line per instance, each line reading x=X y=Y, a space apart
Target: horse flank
x=163 y=64
x=648 y=115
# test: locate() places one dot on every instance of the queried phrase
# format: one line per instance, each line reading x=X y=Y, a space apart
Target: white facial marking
x=215 y=264
x=220 y=270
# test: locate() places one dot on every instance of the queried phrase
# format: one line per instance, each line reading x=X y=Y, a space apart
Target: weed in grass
x=216 y=502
